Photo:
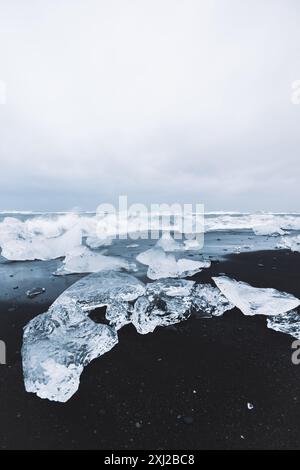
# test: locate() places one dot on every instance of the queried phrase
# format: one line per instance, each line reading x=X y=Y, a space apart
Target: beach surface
x=221 y=383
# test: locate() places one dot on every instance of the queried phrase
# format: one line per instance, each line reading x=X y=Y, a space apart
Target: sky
x=165 y=101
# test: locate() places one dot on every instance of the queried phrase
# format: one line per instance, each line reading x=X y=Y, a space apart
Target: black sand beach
x=182 y=387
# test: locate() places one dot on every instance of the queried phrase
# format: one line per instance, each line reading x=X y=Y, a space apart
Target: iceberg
x=255 y=301
x=83 y=260
x=164 y=265
x=58 y=344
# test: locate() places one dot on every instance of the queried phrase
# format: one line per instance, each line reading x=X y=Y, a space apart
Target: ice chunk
x=272 y=228
x=255 y=301
x=57 y=346
x=164 y=303
x=167 y=243
x=290 y=243
x=119 y=314
x=164 y=265
x=171 y=287
x=104 y=288
x=39 y=248
x=95 y=242
x=192 y=244
x=84 y=260
x=209 y=301
x=34 y=292
x=288 y=323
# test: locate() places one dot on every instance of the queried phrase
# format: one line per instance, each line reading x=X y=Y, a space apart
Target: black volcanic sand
x=183 y=387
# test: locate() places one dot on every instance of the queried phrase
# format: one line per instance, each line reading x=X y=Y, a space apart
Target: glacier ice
x=165 y=303
x=209 y=301
x=167 y=243
x=288 y=323
x=290 y=243
x=103 y=288
x=83 y=260
x=255 y=301
x=31 y=293
x=164 y=265
x=21 y=247
x=58 y=344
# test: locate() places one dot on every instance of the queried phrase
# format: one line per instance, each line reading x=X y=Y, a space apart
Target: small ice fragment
x=34 y=292
x=250 y=406
x=192 y=244
x=255 y=301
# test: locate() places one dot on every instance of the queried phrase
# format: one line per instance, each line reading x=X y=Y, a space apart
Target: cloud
x=161 y=100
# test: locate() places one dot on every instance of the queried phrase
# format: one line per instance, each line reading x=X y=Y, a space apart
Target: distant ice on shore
x=31 y=236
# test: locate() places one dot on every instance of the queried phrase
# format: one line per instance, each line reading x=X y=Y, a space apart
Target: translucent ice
x=58 y=344
x=35 y=292
x=164 y=265
x=290 y=243
x=288 y=323
x=164 y=303
x=167 y=243
x=84 y=260
x=21 y=248
x=255 y=301
x=209 y=301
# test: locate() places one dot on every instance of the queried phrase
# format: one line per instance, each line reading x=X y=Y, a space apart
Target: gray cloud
x=163 y=100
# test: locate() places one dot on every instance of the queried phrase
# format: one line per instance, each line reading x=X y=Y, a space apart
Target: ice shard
x=165 y=303
x=58 y=344
x=83 y=260
x=290 y=243
x=208 y=301
x=255 y=301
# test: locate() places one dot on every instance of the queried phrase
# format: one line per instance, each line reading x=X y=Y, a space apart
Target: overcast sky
x=163 y=100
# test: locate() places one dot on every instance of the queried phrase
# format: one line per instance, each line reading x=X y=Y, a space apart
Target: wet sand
x=182 y=387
